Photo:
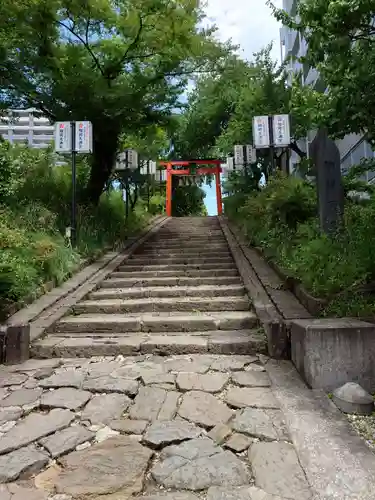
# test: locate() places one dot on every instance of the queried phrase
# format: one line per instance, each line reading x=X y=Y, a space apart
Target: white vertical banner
x=251 y=154
x=83 y=137
x=63 y=137
x=261 y=132
x=230 y=164
x=281 y=131
x=132 y=159
x=238 y=154
x=152 y=168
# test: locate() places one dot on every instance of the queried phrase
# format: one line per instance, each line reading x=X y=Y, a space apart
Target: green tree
x=121 y=64
x=341 y=46
x=209 y=110
x=221 y=108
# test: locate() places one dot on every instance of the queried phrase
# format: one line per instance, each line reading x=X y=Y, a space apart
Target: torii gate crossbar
x=215 y=170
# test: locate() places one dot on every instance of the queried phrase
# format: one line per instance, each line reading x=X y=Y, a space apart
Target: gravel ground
x=365 y=427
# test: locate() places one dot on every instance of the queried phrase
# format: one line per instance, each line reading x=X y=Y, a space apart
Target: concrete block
x=331 y=352
x=14 y=343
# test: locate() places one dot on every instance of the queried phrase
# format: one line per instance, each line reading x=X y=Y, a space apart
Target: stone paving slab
x=65 y=397
x=171 y=431
x=199 y=464
x=241 y=493
x=105 y=408
x=26 y=460
x=209 y=382
x=277 y=470
x=115 y=466
x=66 y=440
x=175 y=495
x=22 y=397
x=252 y=379
x=34 y=427
x=266 y=424
x=241 y=397
x=204 y=409
x=16 y=492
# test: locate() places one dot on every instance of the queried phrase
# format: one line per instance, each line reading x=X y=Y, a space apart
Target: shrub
x=35 y=207
x=282 y=220
x=157 y=204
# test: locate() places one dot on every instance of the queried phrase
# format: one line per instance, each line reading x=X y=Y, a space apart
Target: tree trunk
x=103 y=160
x=127 y=193
x=133 y=201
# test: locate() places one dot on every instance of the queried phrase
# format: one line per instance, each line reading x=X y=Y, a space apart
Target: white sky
x=249 y=23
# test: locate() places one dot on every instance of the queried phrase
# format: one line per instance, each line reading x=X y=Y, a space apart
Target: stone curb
x=285 y=302
x=336 y=461
x=51 y=307
x=269 y=316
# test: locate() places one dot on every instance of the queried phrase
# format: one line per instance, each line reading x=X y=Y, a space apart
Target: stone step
x=217 y=342
x=192 y=237
x=165 y=304
x=157 y=322
x=199 y=273
x=139 y=260
x=173 y=267
x=169 y=291
x=183 y=228
x=187 y=247
x=182 y=253
x=204 y=231
x=170 y=281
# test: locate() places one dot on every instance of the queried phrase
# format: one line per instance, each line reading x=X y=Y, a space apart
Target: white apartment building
x=23 y=126
x=353 y=148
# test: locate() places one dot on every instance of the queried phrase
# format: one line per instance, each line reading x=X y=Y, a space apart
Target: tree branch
x=294 y=147
x=134 y=42
x=85 y=44
x=114 y=70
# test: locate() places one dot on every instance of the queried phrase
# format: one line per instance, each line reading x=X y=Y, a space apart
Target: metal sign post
x=272 y=147
x=73 y=234
x=73 y=137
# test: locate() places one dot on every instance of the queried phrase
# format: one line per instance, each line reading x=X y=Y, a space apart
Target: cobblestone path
x=175 y=428
x=169 y=399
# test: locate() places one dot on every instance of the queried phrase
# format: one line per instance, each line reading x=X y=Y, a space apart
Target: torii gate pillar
x=215 y=170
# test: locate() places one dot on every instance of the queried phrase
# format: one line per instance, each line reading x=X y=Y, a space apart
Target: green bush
x=282 y=220
x=157 y=204
x=35 y=208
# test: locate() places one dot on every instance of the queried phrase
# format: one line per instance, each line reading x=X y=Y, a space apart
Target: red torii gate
x=215 y=170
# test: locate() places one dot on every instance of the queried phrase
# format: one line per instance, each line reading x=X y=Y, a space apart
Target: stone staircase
x=180 y=293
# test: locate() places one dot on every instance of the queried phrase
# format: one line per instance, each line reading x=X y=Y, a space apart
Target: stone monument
x=326 y=158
